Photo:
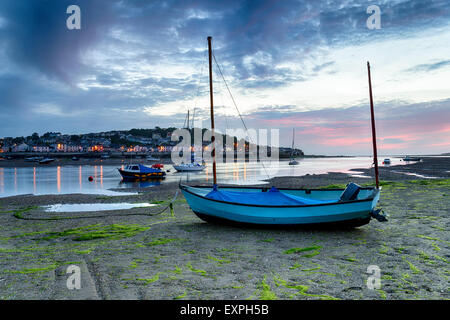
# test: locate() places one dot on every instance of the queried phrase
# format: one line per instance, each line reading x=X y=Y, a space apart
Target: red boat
x=158 y=166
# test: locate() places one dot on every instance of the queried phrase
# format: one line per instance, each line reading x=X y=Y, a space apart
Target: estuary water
x=40 y=180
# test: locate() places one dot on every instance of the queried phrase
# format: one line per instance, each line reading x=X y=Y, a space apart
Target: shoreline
x=65 y=160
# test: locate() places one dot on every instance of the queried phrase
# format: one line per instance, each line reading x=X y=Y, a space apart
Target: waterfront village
x=157 y=140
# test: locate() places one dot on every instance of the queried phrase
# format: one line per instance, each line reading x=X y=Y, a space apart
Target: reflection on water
x=58 y=178
x=74 y=179
x=141 y=183
x=86 y=207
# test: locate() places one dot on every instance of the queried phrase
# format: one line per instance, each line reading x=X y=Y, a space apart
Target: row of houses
x=23 y=147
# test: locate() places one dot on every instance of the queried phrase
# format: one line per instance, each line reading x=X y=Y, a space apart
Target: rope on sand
x=18 y=214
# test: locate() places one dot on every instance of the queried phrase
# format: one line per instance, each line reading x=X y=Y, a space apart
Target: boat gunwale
x=370 y=199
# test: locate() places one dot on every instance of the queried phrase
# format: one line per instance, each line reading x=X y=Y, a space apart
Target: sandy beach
x=124 y=256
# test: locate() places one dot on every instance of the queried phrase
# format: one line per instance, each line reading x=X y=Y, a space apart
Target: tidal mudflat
x=178 y=256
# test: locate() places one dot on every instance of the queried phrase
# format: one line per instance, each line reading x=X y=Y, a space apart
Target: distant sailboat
x=193 y=165
x=352 y=206
x=293 y=162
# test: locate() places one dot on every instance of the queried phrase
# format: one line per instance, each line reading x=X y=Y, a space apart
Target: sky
x=288 y=64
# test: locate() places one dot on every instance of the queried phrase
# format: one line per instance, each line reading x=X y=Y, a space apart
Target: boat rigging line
x=237 y=109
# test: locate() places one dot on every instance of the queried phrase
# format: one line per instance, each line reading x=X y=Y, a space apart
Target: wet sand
x=124 y=256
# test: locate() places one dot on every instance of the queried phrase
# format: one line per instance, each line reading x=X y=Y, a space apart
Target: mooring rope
x=18 y=215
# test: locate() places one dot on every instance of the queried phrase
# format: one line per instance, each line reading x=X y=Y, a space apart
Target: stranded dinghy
x=353 y=206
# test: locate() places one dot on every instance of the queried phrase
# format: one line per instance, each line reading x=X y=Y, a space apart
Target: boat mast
x=188 y=120
x=374 y=138
x=293 y=135
x=213 y=138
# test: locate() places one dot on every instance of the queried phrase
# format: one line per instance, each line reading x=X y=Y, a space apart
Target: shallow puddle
x=85 y=207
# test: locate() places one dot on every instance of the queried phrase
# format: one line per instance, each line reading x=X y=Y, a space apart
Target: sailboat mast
x=292 y=148
x=374 y=138
x=213 y=138
x=293 y=137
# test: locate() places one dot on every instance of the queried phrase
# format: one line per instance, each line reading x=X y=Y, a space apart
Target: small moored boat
x=33 y=159
x=194 y=166
x=140 y=172
x=408 y=158
x=387 y=161
x=151 y=158
x=46 y=160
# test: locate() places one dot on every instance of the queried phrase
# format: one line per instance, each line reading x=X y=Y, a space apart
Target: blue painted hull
x=357 y=211
x=133 y=176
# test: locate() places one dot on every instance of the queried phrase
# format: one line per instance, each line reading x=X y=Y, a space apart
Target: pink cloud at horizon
x=412 y=129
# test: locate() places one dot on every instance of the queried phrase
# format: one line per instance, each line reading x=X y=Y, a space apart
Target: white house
x=21 y=148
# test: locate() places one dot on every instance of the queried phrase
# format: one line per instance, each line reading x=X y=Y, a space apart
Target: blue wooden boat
x=133 y=172
x=354 y=205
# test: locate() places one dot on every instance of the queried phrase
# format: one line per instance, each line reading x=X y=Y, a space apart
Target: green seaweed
x=150 y=280
x=297 y=250
x=160 y=241
x=199 y=271
x=87 y=251
x=113 y=231
x=177 y=270
x=19 y=213
x=413 y=268
x=35 y=270
x=350 y=259
x=295 y=266
x=334 y=186
x=382 y=294
x=301 y=289
x=220 y=261
x=266 y=292
x=181 y=296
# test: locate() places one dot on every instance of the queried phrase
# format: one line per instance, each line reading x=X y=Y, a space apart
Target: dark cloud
x=429 y=66
x=45 y=72
x=36 y=35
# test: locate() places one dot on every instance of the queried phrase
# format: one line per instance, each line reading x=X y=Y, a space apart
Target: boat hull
x=411 y=159
x=46 y=161
x=189 y=168
x=132 y=176
x=352 y=223
x=355 y=213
